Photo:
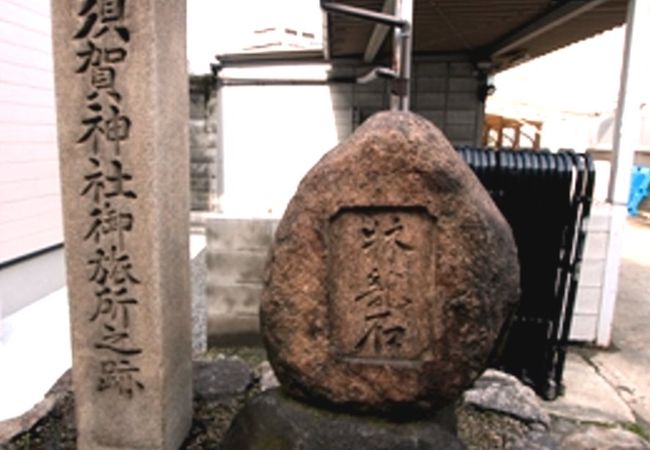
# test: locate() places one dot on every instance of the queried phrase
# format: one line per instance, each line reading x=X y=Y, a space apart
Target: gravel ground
x=480 y=430
x=214 y=411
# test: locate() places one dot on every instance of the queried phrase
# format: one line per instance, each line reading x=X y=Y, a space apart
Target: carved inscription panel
x=101 y=44
x=381 y=283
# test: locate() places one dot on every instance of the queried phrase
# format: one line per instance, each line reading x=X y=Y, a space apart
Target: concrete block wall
x=204 y=152
x=445 y=92
x=588 y=306
x=238 y=250
x=237 y=254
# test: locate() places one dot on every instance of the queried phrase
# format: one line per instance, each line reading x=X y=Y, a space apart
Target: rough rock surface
x=597 y=438
x=535 y=440
x=392 y=273
x=267 y=379
x=198 y=272
x=213 y=379
x=273 y=420
x=501 y=392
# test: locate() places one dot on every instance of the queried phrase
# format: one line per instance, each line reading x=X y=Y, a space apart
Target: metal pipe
x=365 y=14
x=402 y=49
x=402 y=44
x=376 y=73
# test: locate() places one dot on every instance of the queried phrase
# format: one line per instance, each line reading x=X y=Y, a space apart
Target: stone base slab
x=273 y=420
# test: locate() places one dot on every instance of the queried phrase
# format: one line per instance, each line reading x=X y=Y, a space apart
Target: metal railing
x=546 y=198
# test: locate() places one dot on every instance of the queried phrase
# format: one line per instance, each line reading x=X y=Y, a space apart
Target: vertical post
x=402 y=53
x=537 y=142
x=500 y=133
x=634 y=75
x=122 y=104
x=517 y=138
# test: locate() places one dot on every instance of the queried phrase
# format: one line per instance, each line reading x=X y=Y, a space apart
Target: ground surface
x=626 y=365
x=227 y=378
x=608 y=389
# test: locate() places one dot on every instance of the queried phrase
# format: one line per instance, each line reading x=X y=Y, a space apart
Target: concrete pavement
x=626 y=366
x=612 y=386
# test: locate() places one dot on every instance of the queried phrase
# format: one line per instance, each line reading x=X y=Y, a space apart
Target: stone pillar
x=122 y=105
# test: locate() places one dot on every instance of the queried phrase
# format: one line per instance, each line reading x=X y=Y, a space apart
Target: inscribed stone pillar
x=122 y=106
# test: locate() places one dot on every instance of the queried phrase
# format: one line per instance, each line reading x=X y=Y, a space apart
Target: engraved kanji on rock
x=393 y=274
x=379 y=259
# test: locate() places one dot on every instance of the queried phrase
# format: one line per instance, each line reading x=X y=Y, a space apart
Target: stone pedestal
x=122 y=105
x=273 y=420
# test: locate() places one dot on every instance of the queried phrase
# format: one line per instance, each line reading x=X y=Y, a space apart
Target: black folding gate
x=546 y=198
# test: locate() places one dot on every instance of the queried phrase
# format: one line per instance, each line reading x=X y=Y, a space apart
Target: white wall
x=588 y=307
x=30 y=210
x=271 y=136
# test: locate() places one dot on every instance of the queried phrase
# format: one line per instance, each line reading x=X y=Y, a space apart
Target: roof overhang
x=502 y=33
x=271 y=58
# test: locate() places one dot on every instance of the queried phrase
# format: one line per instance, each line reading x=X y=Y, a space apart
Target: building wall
x=285 y=129
x=589 y=301
x=25 y=282
x=445 y=92
x=236 y=257
x=204 y=154
x=238 y=251
x=271 y=134
x=30 y=204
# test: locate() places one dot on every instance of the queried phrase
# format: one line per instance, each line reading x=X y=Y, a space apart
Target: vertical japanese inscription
x=101 y=47
x=381 y=283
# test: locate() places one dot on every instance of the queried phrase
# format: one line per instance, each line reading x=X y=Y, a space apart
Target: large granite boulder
x=392 y=275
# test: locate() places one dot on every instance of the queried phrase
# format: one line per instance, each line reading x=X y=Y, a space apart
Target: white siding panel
x=583 y=328
x=12 y=249
x=26 y=209
x=591 y=273
x=39 y=46
x=25 y=76
x=15 y=152
x=17 y=94
x=27 y=134
x=36 y=224
x=25 y=56
x=17 y=15
x=30 y=203
x=588 y=300
x=27 y=115
x=38 y=7
x=25 y=189
x=30 y=171
x=589 y=296
x=600 y=218
x=596 y=247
